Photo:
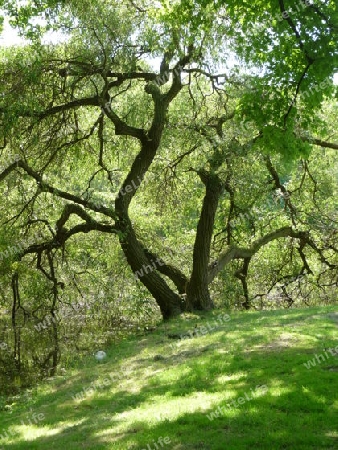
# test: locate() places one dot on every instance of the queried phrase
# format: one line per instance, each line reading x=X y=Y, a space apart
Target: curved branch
x=121 y=127
x=176 y=276
x=89 y=101
x=63 y=235
x=234 y=252
x=46 y=187
x=177 y=82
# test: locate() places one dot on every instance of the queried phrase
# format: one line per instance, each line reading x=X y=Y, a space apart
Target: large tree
x=91 y=114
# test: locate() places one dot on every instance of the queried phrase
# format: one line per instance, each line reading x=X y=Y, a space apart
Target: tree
x=74 y=111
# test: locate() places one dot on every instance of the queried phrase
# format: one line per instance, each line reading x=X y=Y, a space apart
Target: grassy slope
x=166 y=390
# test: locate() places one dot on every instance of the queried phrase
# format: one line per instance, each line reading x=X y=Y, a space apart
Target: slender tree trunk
x=242 y=275
x=198 y=296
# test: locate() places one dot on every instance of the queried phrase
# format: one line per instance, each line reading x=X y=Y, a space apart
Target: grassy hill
x=257 y=380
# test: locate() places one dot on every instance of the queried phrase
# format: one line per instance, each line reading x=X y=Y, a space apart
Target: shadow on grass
x=173 y=397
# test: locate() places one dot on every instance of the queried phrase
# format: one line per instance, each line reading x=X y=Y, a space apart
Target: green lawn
x=239 y=384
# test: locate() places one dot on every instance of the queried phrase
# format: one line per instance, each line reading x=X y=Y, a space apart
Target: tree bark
x=145 y=270
x=198 y=295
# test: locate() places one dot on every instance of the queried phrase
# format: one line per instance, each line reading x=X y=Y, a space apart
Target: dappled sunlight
x=332 y=434
x=223 y=379
x=313 y=396
x=34 y=432
x=195 y=390
x=279 y=388
x=172 y=408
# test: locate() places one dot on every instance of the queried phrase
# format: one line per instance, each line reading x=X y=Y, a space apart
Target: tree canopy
x=189 y=145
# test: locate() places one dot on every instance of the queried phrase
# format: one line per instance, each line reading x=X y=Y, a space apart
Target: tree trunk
x=242 y=275
x=143 y=267
x=198 y=296
x=145 y=270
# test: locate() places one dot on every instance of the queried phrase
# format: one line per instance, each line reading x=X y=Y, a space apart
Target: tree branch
x=46 y=187
x=294 y=29
x=89 y=101
x=320 y=143
x=63 y=234
x=176 y=276
x=234 y=252
x=121 y=127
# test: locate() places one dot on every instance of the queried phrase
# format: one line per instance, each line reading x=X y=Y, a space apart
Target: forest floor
x=237 y=381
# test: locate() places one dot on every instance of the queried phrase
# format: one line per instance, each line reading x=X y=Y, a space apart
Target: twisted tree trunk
x=198 y=296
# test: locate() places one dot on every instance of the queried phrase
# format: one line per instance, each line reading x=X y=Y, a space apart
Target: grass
x=157 y=393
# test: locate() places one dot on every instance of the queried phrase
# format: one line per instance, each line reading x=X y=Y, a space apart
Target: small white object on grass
x=100 y=355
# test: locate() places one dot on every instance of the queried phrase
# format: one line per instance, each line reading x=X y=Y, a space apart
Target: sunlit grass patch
x=150 y=389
